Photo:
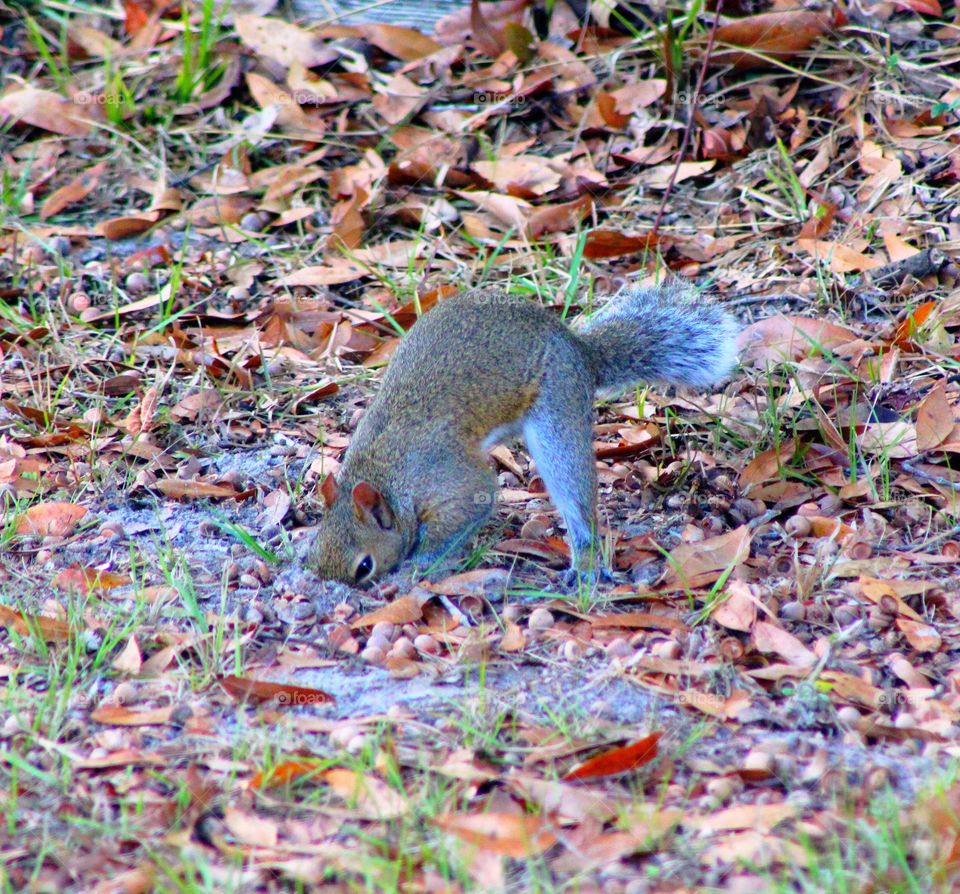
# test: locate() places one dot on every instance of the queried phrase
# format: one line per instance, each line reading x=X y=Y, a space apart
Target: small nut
x=540 y=619
x=427 y=644
x=373 y=655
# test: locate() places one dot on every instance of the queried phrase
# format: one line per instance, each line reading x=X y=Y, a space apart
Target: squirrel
x=484 y=367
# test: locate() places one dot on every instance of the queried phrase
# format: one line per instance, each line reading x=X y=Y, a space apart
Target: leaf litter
x=192 y=323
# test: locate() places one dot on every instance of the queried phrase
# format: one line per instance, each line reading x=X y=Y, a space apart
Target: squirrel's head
x=358 y=539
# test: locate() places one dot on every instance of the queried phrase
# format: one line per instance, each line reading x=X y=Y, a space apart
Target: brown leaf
x=934 y=420
x=283 y=42
x=559 y=218
x=46 y=110
x=50 y=519
x=90 y=580
x=700 y=563
x=485 y=38
x=404 y=43
x=77 y=189
x=404 y=610
x=250 y=829
x=283 y=694
x=923 y=637
x=53 y=630
x=780 y=338
x=508 y=834
x=617 y=760
x=368 y=793
x=770 y=638
x=610 y=244
x=120 y=715
x=179 y=489
x=129 y=661
x=739 y=610
x=127 y=226
x=841 y=258
x=780 y=35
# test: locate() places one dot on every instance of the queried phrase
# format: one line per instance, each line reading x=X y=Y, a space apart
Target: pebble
x=426 y=644
x=758 y=760
x=113 y=530
x=137 y=282
x=238 y=293
x=667 y=648
x=386 y=630
x=619 y=648
x=125 y=693
x=251 y=222
x=252 y=615
x=403 y=648
x=378 y=641
x=540 y=619
x=343 y=734
x=848 y=715
x=512 y=612
x=723 y=788
x=373 y=655
x=793 y=611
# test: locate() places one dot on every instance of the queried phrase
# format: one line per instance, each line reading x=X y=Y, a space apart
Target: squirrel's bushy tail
x=666 y=333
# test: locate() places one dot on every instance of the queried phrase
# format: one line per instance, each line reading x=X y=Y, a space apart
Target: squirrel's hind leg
x=558 y=431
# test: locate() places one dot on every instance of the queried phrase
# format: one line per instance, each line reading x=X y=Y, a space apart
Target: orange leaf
x=617 y=760
x=509 y=834
x=50 y=519
x=284 y=773
x=89 y=580
x=77 y=189
x=908 y=328
x=51 y=629
x=120 y=715
x=404 y=610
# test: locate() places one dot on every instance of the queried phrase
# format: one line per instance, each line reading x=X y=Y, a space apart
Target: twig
x=694 y=100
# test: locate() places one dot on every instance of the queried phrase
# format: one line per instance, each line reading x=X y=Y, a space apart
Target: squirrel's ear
x=328 y=490
x=369 y=505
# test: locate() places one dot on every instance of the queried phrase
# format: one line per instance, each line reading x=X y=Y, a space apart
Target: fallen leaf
x=46 y=110
x=696 y=564
x=934 y=420
x=285 y=695
x=121 y=715
x=283 y=41
x=53 y=630
x=371 y=795
x=509 y=834
x=769 y=638
x=404 y=610
x=78 y=188
x=50 y=519
x=739 y=610
x=617 y=760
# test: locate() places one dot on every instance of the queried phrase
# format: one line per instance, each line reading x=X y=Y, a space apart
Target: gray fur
x=663 y=334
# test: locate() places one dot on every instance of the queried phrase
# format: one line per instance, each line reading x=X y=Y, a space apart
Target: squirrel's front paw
x=586 y=578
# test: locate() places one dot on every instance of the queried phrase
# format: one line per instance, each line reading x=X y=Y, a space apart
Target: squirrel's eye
x=364 y=569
